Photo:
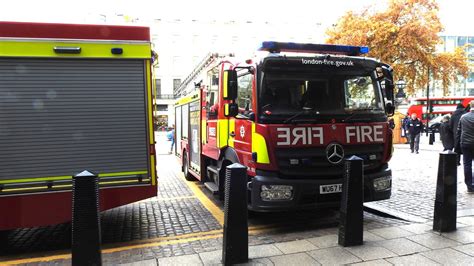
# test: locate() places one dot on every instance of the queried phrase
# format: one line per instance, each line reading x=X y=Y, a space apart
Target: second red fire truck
x=291 y=114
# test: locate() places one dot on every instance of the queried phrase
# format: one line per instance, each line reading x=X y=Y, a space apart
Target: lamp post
x=428 y=104
x=401 y=84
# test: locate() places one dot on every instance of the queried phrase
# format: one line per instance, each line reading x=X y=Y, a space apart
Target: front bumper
x=306 y=192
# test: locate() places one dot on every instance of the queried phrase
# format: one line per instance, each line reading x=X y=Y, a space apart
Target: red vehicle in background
x=438 y=106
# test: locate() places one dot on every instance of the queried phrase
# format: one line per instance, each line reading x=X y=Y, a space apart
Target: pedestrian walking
x=453 y=124
x=173 y=139
x=465 y=137
x=405 y=122
x=446 y=134
x=415 y=127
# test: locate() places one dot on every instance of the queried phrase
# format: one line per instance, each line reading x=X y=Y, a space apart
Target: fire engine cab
x=290 y=114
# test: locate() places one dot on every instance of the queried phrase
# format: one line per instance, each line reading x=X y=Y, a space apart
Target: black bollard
x=85 y=219
x=235 y=248
x=445 y=211
x=351 y=227
x=431 y=138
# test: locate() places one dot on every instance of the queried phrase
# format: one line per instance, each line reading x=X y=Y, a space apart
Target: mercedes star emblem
x=334 y=153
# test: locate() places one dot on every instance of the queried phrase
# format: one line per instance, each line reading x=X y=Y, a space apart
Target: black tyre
x=188 y=176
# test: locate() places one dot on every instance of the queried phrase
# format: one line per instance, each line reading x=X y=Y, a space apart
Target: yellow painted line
x=208 y=204
x=167 y=241
x=36 y=260
x=156 y=242
x=160 y=242
x=177 y=198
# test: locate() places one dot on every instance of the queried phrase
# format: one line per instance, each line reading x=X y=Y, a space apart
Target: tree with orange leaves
x=404 y=35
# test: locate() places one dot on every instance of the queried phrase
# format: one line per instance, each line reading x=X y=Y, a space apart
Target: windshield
x=286 y=95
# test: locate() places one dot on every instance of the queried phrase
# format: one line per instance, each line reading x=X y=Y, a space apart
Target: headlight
x=276 y=192
x=383 y=183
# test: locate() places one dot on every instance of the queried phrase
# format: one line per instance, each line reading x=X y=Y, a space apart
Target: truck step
x=213 y=169
x=212 y=187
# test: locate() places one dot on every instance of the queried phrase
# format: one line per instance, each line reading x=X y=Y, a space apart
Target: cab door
x=241 y=125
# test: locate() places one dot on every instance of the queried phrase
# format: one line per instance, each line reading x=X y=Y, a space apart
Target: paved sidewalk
x=412 y=244
x=414 y=178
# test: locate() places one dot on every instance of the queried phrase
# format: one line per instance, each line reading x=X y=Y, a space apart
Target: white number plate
x=326 y=189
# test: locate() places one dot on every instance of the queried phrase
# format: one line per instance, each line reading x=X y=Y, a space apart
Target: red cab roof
x=73 y=31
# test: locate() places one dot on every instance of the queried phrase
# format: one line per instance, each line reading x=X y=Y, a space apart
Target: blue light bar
x=276 y=47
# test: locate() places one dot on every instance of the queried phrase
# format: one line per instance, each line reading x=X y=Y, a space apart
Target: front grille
x=312 y=162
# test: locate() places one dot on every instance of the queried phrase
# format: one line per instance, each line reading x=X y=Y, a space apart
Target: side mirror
x=390 y=109
x=230 y=85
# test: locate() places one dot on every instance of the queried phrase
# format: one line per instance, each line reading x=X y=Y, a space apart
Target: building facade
x=464 y=86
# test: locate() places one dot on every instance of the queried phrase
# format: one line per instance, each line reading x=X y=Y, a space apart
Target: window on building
x=450 y=43
x=158 y=86
x=176 y=83
x=462 y=41
x=162 y=107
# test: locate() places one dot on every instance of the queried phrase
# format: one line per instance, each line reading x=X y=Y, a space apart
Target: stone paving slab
x=433 y=241
x=262 y=251
x=449 y=256
x=333 y=256
x=181 y=260
x=402 y=246
x=373 y=263
x=294 y=259
x=391 y=232
x=466 y=249
x=415 y=259
x=370 y=251
x=295 y=246
x=461 y=236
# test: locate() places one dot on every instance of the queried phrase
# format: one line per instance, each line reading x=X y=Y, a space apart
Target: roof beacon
x=277 y=47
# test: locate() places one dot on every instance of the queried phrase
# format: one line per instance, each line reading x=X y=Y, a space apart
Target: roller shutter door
x=61 y=116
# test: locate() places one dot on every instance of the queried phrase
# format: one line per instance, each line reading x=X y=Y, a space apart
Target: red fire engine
x=291 y=114
x=73 y=98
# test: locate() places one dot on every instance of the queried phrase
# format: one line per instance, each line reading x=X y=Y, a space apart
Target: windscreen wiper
x=305 y=110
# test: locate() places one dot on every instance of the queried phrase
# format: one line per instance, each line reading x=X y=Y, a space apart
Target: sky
x=454 y=14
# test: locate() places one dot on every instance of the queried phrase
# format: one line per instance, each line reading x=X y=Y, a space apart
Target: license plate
x=327 y=189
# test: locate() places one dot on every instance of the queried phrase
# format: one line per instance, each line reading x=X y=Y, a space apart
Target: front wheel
x=188 y=176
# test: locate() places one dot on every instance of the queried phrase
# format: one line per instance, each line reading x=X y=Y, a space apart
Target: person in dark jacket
x=465 y=136
x=453 y=124
x=405 y=122
x=415 y=127
x=446 y=134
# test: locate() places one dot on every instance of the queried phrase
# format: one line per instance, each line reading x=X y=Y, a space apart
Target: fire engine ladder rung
x=202 y=64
